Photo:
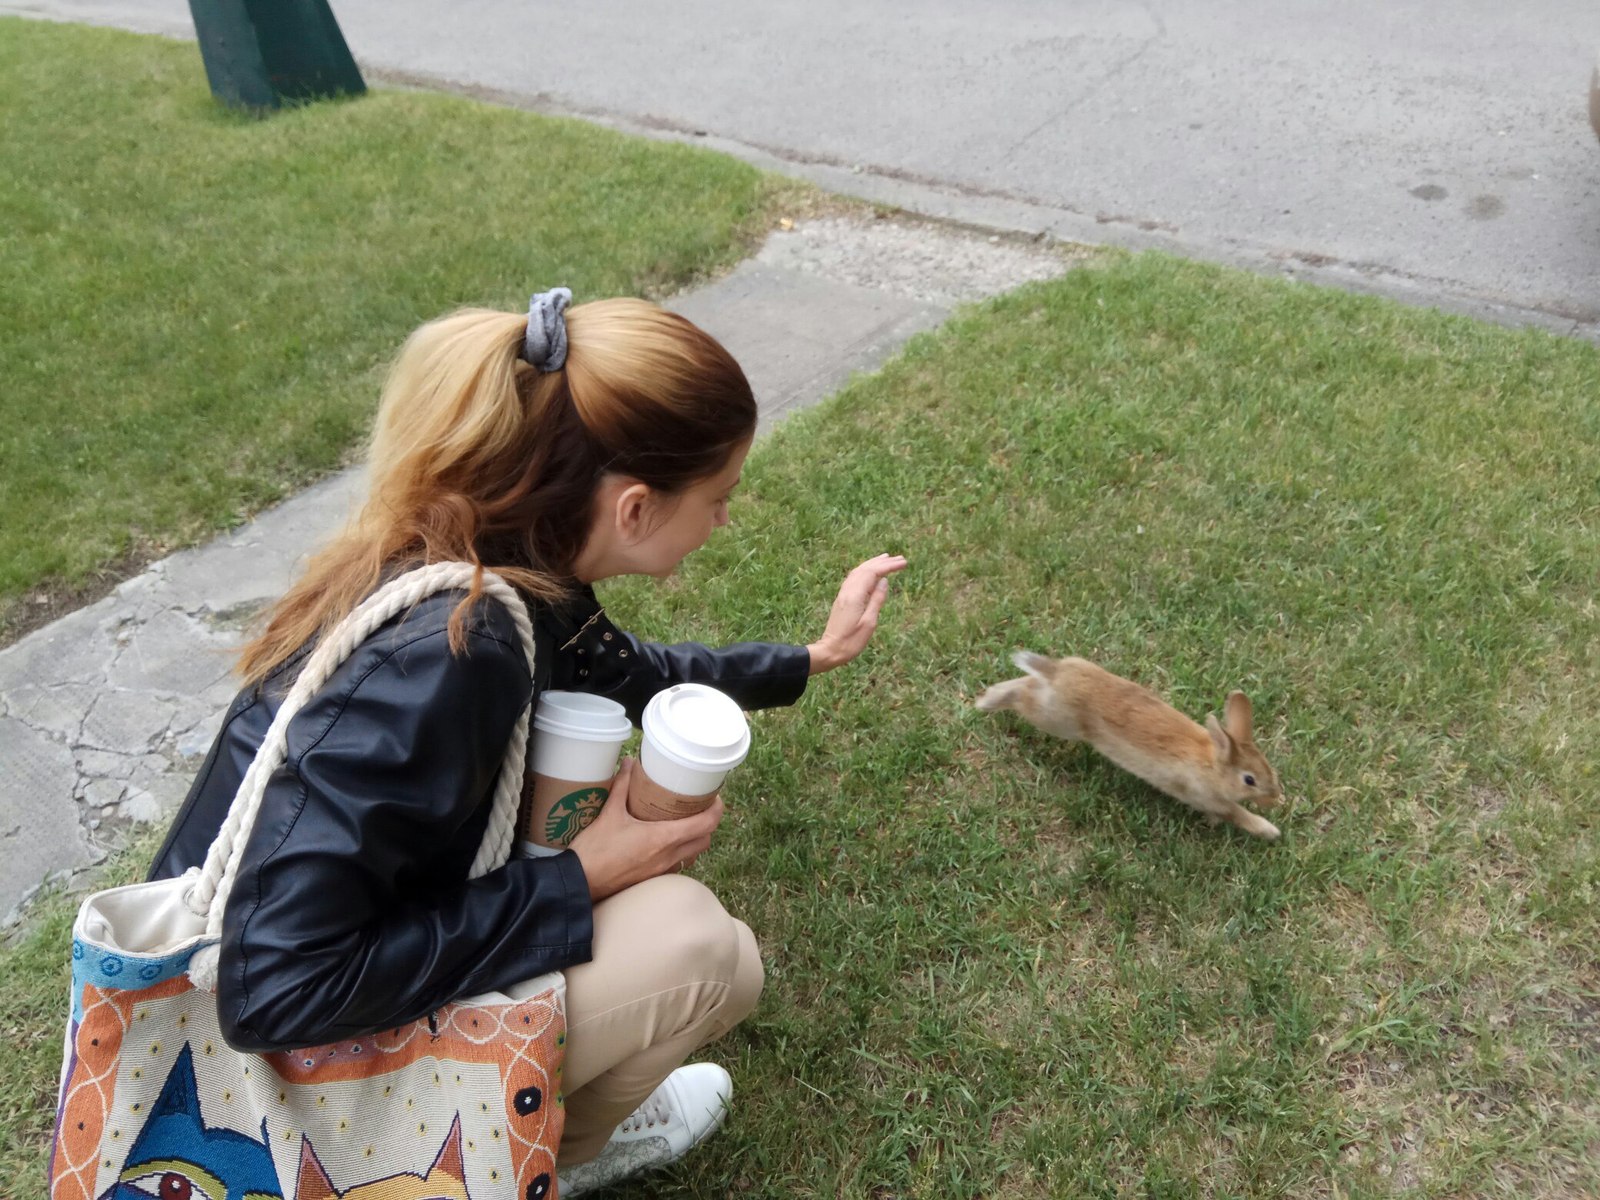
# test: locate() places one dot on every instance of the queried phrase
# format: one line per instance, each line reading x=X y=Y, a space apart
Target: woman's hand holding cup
x=618 y=850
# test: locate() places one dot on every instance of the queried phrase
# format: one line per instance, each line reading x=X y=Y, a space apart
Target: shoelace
x=654 y=1111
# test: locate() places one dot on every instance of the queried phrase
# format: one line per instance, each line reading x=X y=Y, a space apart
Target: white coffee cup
x=577 y=739
x=693 y=736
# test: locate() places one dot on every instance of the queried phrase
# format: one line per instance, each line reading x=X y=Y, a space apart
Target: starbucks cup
x=576 y=741
x=693 y=736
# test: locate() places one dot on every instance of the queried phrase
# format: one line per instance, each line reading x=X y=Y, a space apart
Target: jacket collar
x=568 y=619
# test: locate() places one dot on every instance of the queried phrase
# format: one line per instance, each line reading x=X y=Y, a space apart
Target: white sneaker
x=675 y=1118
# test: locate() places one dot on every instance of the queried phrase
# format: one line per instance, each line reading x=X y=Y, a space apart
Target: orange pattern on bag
x=107 y=1017
x=521 y=1039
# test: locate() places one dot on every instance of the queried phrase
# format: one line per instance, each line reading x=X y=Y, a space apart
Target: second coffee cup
x=693 y=736
x=577 y=739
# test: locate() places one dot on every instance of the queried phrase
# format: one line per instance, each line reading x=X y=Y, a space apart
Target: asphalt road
x=1436 y=150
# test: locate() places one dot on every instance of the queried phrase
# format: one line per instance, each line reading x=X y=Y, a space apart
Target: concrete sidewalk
x=105 y=714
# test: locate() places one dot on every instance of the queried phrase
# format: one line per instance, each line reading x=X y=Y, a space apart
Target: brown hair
x=478 y=457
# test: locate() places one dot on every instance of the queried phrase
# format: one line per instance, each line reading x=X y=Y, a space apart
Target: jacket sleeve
x=329 y=932
x=755 y=674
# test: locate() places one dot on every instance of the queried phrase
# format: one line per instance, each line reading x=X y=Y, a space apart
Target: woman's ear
x=634 y=512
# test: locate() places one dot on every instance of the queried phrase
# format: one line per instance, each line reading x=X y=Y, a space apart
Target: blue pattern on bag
x=176 y=1152
x=104 y=969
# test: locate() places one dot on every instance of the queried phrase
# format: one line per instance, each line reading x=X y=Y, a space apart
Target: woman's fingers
x=866 y=587
x=854 y=616
x=880 y=593
x=618 y=849
x=694 y=833
x=884 y=564
x=686 y=838
x=870 y=574
x=701 y=840
x=871 y=580
x=619 y=785
x=614 y=814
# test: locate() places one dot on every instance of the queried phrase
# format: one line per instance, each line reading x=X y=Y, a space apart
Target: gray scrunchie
x=545 y=346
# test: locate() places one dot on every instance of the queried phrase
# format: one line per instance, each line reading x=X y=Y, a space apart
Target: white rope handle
x=209 y=894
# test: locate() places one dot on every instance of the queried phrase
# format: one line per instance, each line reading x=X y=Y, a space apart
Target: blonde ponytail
x=476 y=456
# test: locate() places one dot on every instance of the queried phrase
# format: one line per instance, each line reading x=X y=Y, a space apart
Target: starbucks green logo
x=569 y=815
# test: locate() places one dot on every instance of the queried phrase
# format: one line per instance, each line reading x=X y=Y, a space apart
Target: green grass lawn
x=998 y=966
x=196 y=307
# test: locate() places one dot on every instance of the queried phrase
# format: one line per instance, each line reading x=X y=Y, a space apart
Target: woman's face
x=683 y=523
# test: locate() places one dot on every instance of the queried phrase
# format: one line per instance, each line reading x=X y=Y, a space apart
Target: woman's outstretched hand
x=855 y=613
x=618 y=850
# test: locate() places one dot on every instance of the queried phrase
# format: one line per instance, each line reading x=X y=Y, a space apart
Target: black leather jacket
x=352 y=911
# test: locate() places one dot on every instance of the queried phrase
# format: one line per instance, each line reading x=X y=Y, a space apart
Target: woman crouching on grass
x=555 y=450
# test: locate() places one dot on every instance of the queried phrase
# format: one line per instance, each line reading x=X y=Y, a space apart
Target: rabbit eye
x=1249 y=780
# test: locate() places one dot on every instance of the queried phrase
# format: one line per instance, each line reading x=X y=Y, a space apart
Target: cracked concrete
x=106 y=714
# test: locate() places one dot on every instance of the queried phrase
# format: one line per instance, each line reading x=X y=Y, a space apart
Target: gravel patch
x=919 y=260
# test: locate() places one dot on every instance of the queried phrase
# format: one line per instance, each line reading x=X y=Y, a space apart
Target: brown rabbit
x=1211 y=769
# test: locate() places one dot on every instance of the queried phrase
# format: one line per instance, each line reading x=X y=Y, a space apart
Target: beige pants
x=671 y=971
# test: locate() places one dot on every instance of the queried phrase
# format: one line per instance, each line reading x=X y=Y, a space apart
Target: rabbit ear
x=1236 y=716
x=1220 y=739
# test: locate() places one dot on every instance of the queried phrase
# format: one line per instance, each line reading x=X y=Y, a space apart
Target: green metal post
x=261 y=54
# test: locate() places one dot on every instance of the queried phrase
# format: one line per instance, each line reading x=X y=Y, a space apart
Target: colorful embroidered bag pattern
x=153 y=1105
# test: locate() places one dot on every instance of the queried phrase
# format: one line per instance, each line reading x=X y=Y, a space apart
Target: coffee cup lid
x=582 y=716
x=698 y=726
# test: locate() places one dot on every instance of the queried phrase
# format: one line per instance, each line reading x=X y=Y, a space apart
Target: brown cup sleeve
x=649 y=801
x=554 y=811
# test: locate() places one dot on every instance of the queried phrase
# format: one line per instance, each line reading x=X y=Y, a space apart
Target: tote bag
x=153 y=1105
